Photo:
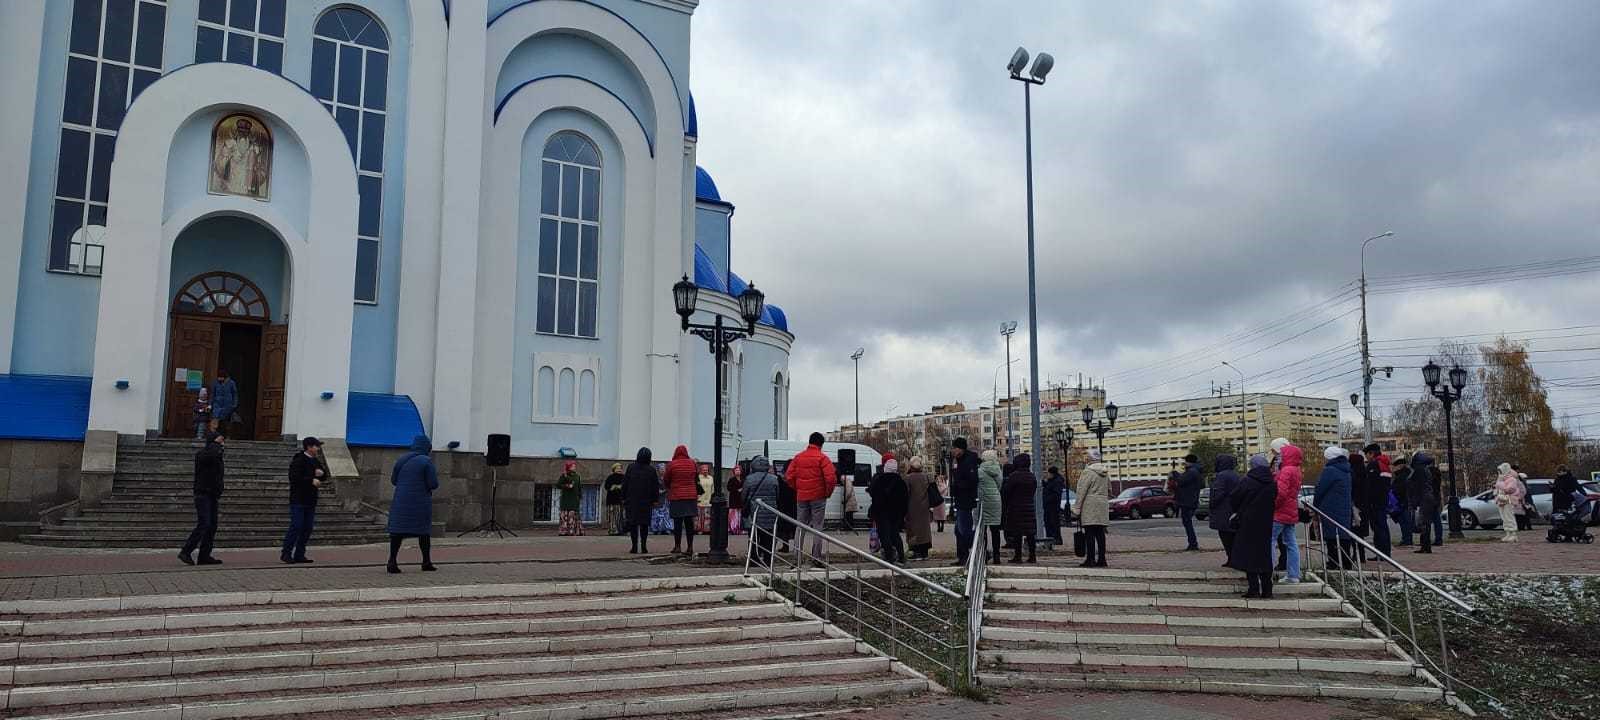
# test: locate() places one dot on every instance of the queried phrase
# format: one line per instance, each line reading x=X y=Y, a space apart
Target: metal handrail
x=977 y=579
x=869 y=557
x=1351 y=534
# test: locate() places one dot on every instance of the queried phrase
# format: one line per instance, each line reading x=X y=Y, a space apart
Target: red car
x=1142 y=502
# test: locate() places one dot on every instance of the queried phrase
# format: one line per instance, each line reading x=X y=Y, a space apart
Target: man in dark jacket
x=641 y=492
x=1422 y=499
x=1253 y=500
x=1376 y=503
x=305 y=477
x=1054 y=487
x=1562 y=489
x=208 y=471
x=963 y=494
x=1401 y=487
x=1221 y=511
x=1188 y=496
x=1016 y=508
x=888 y=510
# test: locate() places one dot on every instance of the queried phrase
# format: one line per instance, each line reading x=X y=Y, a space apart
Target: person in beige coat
x=919 y=517
x=1093 y=510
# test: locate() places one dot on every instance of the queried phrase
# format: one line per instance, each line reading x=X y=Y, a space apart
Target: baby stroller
x=1571 y=525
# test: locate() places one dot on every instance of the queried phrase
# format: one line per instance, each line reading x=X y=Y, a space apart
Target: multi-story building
x=925 y=433
x=1150 y=438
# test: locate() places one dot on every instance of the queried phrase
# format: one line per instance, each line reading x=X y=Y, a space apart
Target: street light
x=1007 y=329
x=1064 y=441
x=856 y=356
x=1448 y=395
x=1036 y=74
x=685 y=295
x=1366 y=352
x=1244 y=437
x=1100 y=427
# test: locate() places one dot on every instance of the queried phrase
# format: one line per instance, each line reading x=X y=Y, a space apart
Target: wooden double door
x=221 y=322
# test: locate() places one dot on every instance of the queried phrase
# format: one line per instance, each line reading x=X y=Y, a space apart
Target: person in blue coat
x=411 y=513
x=1333 y=499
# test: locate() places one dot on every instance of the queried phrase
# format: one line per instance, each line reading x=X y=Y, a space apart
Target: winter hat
x=888 y=456
x=916 y=463
x=1094 y=456
x=1259 y=460
x=570 y=466
x=989 y=455
x=891 y=465
x=960 y=443
x=1191 y=458
x=616 y=467
x=1504 y=469
x=1277 y=444
x=1334 y=451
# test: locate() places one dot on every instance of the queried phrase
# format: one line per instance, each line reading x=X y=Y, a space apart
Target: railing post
x=1444 y=651
x=894 y=632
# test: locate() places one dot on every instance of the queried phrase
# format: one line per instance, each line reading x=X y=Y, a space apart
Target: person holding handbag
x=922 y=499
x=411 y=512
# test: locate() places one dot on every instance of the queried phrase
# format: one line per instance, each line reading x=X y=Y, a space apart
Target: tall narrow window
x=247 y=32
x=569 y=237
x=777 y=406
x=113 y=54
x=350 y=75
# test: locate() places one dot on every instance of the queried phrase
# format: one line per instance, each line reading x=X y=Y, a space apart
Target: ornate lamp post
x=685 y=295
x=1064 y=441
x=1448 y=395
x=1100 y=427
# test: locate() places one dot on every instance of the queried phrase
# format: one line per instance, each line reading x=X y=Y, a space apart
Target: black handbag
x=1078 y=544
x=935 y=498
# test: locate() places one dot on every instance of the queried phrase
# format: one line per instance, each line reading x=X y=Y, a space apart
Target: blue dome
x=736 y=284
x=704 y=187
x=705 y=272
x=694 y=121
x=775 y=317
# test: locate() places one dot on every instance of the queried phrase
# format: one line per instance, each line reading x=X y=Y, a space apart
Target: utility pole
x=1366 y=351
x=856 y=356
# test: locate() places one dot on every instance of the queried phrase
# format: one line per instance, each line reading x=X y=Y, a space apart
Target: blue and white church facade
x=463 y=217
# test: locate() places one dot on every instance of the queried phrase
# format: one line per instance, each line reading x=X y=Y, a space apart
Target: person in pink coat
x=1508 y=495
x=1286 y=510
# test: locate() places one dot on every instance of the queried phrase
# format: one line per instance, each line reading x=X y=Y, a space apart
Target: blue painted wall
x=235 y=245
x=527 y=437
x=565 y=54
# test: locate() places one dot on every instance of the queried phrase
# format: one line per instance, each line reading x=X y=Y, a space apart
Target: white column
x=21 y=34
x=456 y=322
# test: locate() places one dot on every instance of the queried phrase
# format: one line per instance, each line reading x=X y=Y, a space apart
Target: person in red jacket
x=813 y=478
x=682 y=480
x=1286 y=511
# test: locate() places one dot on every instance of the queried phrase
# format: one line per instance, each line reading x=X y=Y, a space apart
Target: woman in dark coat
x=641 y=490
x=761 y=490
x=888 y=510
x=614 y=496
x=411 y=512
x=1253 y=501
x=919 y=515
x=1221 y=511
x=1332 y=498
x=1017 y=515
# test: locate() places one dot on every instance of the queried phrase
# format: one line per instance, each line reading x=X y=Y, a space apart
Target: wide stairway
x=595 y=649
x=1089 y=628
x=152 y=501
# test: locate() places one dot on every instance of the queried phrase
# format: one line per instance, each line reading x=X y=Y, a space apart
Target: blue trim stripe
x=502 y=104
x=682 y=116
x=379 y=420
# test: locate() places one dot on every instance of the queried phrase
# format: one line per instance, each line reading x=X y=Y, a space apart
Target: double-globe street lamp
x=1064 y=441
x=1035 y=76
x=685 y=295
x=1100 y=427
x=1448 y=395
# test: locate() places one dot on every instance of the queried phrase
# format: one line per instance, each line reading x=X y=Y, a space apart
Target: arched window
x=350 y=75
x=247 y=32
x=222 y=293
x=777 y=405
x=569 y=237
x=105 y=72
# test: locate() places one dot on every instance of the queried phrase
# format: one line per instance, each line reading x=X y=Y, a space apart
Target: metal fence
x=908 y=617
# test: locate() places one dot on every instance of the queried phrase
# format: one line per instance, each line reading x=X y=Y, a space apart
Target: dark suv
x=1142 y=502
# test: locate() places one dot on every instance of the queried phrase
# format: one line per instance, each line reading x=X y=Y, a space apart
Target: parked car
x=1479 y=511
x=1142 y=502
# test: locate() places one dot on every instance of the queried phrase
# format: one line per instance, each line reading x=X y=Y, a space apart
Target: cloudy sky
x=1205 y=173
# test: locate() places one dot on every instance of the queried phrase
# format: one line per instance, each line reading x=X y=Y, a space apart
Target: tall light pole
x=685 y=295
x=856 y=356
x=1036 y=74
x=1366 y=352
x=1244 y=438
x=1008 y=329
x=1448 y=395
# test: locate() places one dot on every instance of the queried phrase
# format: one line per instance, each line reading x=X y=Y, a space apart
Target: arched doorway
x=221 y=321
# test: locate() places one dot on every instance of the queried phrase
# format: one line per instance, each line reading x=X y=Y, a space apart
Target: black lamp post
x=1064 y=441
x=1448 y=395
x=685 y=295
x=1100 y=427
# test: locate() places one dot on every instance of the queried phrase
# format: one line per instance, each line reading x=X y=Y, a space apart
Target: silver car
x=1479 y=511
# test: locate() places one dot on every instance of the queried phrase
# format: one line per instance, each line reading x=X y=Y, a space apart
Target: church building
x=379 y=217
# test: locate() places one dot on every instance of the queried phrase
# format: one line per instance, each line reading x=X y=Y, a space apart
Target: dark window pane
x=242 y=14
x=119 y=31
x=569 y=191
x=569 y=249
x=547 y=305
x=587 y=293
x=113 y=97
x=589 y=252
x=100 y=178
x=86 y=27
x=367 y=270
x=207 y=45
x=566 y=317
x=97 y=215
x=371 y=33
x=72 y=163
x=152 y=30
x=214 y=11
x=329 y=26
x=550 y=188
x=554 y=150
x=591 y=194
x=372 y=141
x=68 y=216
x=322 y=58
x=349 y=75
x=78 y=101
x=376 y=92
x=371 y=190
x=269 y=56
x=143 y=79
x=584 y=153
x=349 y=120
x=272 y=18
x=241 y=49
x=547 y=246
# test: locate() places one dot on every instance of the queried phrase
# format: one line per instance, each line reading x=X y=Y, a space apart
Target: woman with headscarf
x=1016 y=508
x=1093 y=508
x=1223 y=483
x=1508 y=495
x=571 y=487
x=736 y=500
x=702 y=519
x=682 y=480
x=641 y=490
x=989 y=478
x=945 y=509
x=919 y=515
x=1252 y=502
x=411 y=512
x=761 y=489
x=613 y=490
x=888 y=509
x=1332 y=498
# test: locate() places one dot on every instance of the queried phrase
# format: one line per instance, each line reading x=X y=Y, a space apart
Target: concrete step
x=232 y=518
x=1124 y=602
x=1187 y=638
x=1194 y=658
x=1151 y=616
x=108 y=539
x=1225 y=681
x=1110 y=574
x=1153 y=587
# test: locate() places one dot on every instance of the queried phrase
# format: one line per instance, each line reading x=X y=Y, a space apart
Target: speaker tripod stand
x=491 y=526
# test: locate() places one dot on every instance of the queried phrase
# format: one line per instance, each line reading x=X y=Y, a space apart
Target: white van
x=868 y=463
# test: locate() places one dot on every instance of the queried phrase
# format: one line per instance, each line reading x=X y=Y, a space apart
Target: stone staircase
x=152 y=502
x=1068 y=627
x=592 y=649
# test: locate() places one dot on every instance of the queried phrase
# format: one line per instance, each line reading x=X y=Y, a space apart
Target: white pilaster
x=21 y=34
